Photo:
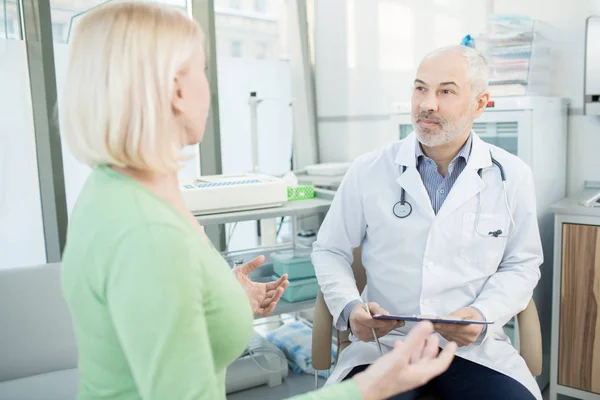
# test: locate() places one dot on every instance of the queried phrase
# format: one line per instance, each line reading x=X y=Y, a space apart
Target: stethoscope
x=403 y=208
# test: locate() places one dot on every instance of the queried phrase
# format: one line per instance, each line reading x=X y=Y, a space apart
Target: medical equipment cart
x=243 y=374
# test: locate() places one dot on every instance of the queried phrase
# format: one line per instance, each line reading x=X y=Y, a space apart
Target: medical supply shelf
x=325 y=182
x=520 y=55
x=297 y=208
x=284 y=307
x=265 y=274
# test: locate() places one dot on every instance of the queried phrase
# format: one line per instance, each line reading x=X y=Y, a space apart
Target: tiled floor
x=294 y=385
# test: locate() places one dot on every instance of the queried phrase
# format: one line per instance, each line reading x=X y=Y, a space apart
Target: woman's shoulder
x=109 y=199
x=112 y=212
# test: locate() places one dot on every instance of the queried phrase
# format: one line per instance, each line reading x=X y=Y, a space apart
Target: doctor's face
x=443 y=105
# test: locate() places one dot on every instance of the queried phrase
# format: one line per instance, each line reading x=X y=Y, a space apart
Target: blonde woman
x=158 y=313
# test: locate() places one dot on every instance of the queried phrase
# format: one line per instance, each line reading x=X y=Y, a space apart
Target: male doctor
x=441 y=234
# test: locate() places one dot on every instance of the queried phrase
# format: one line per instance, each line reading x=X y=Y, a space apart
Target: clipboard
x=432 y=319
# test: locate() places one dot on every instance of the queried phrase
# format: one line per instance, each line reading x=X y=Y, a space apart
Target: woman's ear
x=177 y=102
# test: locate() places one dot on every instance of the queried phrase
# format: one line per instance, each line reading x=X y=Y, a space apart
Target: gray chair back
x=36 y=331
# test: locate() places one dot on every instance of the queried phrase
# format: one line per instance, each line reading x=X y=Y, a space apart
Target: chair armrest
x=530 y=338
x=322 y=335
x=343 y=338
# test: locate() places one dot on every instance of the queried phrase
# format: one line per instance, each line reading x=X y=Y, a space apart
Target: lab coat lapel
x=411 y=180
x=469 y=183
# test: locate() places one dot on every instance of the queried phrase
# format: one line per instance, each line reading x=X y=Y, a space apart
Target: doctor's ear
x=481 y=103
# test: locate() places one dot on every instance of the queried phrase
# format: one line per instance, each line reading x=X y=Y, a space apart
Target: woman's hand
x=411 y=364
x=263 y=296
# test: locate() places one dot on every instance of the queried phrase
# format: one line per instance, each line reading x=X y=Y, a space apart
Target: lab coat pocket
x=478 y=243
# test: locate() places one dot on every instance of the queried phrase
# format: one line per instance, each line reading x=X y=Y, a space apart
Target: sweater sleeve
x=154 y=296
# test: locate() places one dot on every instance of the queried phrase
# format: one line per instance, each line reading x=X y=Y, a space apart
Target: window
x=9 y=20
x=351 y=34
x=8 y=28
x=21 y=226
x=257 y=63
x=236 y=49
x=262 y=50
x=59 y=32
x=260 y=6
x=235 y=4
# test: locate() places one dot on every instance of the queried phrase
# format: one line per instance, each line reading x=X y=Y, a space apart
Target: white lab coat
x=433 y=264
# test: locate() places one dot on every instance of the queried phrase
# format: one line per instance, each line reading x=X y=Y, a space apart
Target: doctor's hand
x=361 y=323
x=463 y=335
x=263 y=297
x=411 y=364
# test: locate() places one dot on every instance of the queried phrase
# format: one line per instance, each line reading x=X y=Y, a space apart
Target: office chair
x=530 y=335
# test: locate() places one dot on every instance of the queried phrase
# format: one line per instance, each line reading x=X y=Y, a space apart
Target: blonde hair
x=116 y=104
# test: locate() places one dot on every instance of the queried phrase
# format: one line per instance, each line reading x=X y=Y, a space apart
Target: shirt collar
x=464 y=152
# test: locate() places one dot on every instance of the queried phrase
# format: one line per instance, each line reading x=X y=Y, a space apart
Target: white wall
x=568 y=17
x=366 y=55
x=21 y=227
x=366 y=52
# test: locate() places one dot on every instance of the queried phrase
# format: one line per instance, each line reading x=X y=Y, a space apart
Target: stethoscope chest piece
x=402 y=210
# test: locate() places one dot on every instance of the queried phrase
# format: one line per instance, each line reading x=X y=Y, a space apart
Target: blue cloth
x=294 y=339
x=466 y=380
x=436 y=185
x=468 y=41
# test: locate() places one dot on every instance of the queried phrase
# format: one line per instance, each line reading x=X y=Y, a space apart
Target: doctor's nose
x=429 y=103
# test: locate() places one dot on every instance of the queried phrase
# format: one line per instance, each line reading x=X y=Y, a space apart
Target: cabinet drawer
x=579 y=343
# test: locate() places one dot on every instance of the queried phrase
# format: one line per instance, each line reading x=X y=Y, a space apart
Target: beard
x=444 y=132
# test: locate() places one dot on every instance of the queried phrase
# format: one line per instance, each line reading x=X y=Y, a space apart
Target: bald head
x=475 y=66
x=450 y=92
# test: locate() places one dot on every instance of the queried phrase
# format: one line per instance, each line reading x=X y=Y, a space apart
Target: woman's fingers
x=279 y=282
x=435 y=366
x=416 y=338
x=274 y=298
x=432 y=349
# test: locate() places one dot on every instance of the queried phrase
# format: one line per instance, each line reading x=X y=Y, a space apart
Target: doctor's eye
x=420 y=89
x=447 y=91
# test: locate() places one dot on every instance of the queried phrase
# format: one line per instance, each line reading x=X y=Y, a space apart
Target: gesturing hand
x=263 y=297
x=463 y=335
x=411 y=364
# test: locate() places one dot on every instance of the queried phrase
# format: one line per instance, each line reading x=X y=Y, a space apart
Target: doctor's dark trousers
x=466 y=380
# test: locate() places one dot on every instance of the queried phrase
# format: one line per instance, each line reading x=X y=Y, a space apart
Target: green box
x=301 y=192
x=296 y=263
x=300 y=289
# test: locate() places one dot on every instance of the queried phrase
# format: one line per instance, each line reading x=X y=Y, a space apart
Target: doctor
x=447 y=225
